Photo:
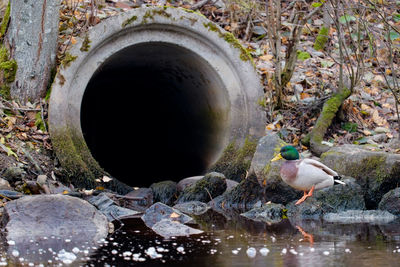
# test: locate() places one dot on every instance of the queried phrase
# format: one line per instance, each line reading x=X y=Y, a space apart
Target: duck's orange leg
x=306 y=195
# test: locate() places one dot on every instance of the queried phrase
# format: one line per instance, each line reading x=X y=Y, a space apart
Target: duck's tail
x=336 y=180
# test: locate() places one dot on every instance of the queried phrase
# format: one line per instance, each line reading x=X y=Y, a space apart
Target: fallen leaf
x=266 y=57
x=174 y=215
x=106 y=179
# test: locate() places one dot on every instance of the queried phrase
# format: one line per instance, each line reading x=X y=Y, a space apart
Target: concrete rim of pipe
x=212 y=64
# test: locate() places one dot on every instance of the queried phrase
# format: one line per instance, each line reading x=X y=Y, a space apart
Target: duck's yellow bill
x=277 y=157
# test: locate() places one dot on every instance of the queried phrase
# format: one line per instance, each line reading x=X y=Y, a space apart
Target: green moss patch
x=129 y=21
x=8 y=70
x=85 y=44
x=231 y=39
x=5 y=20
x=68 y=58
x=321 y=39
x=235 y=161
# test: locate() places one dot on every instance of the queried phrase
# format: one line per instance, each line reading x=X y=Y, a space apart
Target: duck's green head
x=287 y=152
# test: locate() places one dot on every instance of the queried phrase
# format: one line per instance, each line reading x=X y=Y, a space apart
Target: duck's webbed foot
x=306 y=195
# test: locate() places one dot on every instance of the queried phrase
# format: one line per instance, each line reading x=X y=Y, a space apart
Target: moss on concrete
x=129 y=21
x=231 y=39
x=74 y=168
x=85 y=44
x=68 y=58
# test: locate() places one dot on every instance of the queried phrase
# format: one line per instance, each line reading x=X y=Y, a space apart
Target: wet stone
x=270 y=213
x=54 y=221
x=160 y=211
x=147 y=198
x=168 y=228
x=109 y=208
x=360 y=216
x=192 y=207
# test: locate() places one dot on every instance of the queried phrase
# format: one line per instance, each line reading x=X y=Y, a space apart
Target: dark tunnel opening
x=154 y=112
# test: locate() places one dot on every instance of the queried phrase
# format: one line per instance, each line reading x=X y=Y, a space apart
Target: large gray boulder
x=267 y=172
x=391 y=202
x=58 y=222
x=376 y=171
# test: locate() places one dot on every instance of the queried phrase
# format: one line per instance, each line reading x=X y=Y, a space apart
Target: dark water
x=233 y=241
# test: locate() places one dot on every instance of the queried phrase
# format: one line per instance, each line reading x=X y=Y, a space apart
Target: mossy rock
x=376 y=171
x=243 y=196
x=210 y=186
x=333 y=199
x=391 y=202
x=235 y=160
x=165 y=192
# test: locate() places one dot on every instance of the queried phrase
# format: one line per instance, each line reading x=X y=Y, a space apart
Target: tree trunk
x=32 y=42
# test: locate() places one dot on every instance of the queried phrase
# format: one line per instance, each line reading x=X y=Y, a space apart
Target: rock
x=4 y=184
x=13 y=174
x=110 y=209
x=41 y=179
x=60 y=217
x=192 y=180
x=11 y=194
x=210 y=186
x=244 y=196
x=377 y=172
x=56 y=187
x=342 y=197
x=168 y=228
x=391 y=202
x=147 y=199
x=333 y=199
x=182 y=184
x=165 y=192
x=160 y=211
x=379 y=138
x=269 y=213
x=235 y=160
x=267 y=172
x=360 y=216
x=309 y=209
x=192 y=207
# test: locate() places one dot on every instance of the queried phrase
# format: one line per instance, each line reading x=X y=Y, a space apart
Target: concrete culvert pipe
x=150 y=95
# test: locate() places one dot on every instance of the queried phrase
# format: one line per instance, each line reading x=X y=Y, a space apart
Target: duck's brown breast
x=289 y=170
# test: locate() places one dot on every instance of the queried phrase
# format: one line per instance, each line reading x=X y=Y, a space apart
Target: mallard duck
x=305 y=174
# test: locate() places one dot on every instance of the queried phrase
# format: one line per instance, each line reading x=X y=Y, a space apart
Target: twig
x=209 y=194
x=32 y=160
x=200 y=4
